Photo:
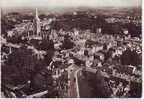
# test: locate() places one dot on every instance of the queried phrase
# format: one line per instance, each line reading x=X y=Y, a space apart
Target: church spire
x=37 y=27
x=36 y=14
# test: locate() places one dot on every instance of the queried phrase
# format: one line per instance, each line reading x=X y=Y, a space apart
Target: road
x=77 y=73
x=73 y=90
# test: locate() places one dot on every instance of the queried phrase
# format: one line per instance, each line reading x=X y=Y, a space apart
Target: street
x=73 y=90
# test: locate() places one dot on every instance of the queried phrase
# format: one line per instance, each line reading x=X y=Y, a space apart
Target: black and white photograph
x=71 y=48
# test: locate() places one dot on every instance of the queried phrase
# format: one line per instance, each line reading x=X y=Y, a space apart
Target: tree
x=101 y=88
x=136 y=90
x=6 y=25
x=67 y=44
x=42 y=16
x=48 y=57
x=126 y=57
x=130 y=58
x=20 y=66
x=133 y=29
x=98 y=83
x=42 y=80
x=47 y=44
x=135 y=59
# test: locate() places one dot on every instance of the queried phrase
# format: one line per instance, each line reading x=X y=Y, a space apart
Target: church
x=36 y=24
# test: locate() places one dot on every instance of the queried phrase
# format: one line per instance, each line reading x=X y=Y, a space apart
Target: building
x=33 y=30
x=36 y=25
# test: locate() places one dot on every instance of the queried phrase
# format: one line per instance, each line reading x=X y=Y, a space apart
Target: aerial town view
x=72 y=52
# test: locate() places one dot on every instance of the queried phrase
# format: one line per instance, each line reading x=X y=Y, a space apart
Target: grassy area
x=84 y=89
x=93 y=85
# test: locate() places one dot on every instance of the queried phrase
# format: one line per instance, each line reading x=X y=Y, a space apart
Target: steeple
x=36 y=14
x=36 y=23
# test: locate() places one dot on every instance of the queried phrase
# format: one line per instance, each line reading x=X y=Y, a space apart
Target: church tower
x=36 y=23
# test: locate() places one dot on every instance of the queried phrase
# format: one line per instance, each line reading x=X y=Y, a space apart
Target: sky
x=70 y=3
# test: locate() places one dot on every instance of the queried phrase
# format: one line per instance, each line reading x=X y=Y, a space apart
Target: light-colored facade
x=36 y=24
